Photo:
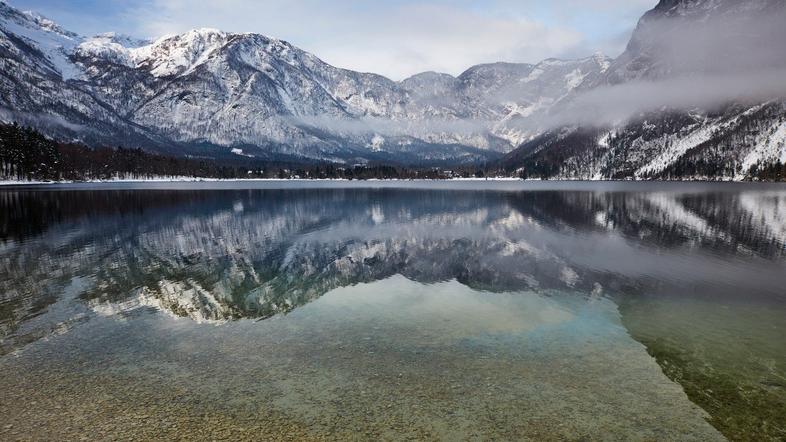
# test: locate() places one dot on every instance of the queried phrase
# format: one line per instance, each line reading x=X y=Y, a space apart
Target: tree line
x=769 y=172
x=27 y=155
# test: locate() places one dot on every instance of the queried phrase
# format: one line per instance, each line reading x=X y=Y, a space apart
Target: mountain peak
x=205 y=33
x=177 y=54
x=43 y=34
x=709 y=8
x=429 y=75
x=124 y=40
x=198 y=36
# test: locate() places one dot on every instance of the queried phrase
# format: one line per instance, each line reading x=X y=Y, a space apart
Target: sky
x=396 y=38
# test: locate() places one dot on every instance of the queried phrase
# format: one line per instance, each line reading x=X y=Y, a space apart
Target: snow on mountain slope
x=211 y=93
x=111 y=47
x=723 y=144
x=675 y=146
x=208 y=87
x=41 y=86
x=769 y=147
x=179 y=55
x=53 y=42
x=714 y=51
x=430 y=85
x=523 y=102
x=507 y=99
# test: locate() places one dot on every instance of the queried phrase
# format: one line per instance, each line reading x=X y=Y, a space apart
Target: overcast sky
x=396 y=38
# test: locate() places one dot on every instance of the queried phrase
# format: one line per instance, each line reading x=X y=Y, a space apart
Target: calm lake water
x=356 y=311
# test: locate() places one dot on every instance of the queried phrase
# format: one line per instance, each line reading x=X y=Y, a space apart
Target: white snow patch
x=111 y=46
x=680 y=146
x=770 y=146
x=50 y=39
x=533 y=75
x=604 y=139
x=676 y=150
x=575 y=78
x=180 y=54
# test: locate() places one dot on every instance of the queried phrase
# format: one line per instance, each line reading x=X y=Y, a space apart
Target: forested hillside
x=27 y=155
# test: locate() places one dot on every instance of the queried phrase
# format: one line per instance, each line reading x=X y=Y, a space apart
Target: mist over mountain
x=697 y=93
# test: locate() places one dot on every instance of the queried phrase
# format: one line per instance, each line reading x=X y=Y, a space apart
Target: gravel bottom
x=530 y=368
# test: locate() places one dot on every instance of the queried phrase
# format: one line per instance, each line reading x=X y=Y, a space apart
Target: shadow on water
x=697 y=278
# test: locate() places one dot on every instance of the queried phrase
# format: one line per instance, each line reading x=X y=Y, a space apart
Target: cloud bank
x=701 y=65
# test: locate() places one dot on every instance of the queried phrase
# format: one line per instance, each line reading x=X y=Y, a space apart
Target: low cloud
x=686 y=64
x=691 y=65
x=8 y=116
x=609 y=105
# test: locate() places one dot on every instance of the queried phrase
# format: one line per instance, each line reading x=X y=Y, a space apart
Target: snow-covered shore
x=191 y=179
x=176 y=179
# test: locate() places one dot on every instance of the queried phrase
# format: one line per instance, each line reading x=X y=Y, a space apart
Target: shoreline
x=249 y=180
x=459 y=184
x=12 y=183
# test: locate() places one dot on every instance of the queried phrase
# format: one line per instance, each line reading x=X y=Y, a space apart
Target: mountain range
x=213 y=94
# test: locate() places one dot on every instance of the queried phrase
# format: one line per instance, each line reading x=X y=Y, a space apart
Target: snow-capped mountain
x=686 y=99
x=208 y=92
x=40 y=85
x=708 y=76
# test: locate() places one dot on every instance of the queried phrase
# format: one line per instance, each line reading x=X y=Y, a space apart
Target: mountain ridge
x=690 y=65
x=210 y=94
x=266 y=94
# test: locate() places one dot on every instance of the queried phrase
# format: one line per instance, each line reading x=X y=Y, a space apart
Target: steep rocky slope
x=207 y=92
x=695 y=95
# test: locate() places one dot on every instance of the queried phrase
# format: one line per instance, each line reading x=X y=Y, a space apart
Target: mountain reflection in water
x=698 y=275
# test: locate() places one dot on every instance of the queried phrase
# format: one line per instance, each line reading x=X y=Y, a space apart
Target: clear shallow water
x=406 y=310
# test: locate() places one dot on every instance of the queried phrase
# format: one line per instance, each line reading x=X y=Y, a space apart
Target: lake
x=393 y=310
